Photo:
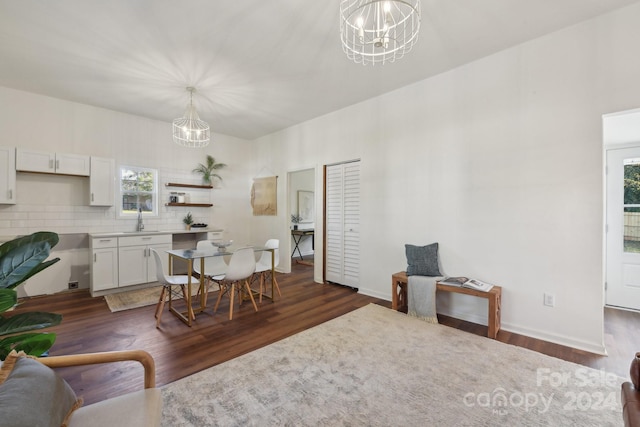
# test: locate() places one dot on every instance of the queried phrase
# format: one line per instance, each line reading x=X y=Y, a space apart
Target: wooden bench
x=399 y=283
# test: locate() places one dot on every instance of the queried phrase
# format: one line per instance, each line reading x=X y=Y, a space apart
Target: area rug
x=133 y=299
x=378 y=367
x=138 y=298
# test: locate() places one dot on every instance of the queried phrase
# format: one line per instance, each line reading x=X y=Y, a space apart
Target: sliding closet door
x=342 y=208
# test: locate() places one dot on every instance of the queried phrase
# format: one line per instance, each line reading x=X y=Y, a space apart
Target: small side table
x=399 y=284
x=301 y=234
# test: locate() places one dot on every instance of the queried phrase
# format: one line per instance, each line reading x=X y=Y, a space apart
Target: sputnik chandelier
x=378 y=31
x=189 y=130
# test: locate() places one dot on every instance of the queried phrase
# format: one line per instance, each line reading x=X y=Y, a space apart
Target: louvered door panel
x=334 y=224
x=343 y=224
x=351 y=212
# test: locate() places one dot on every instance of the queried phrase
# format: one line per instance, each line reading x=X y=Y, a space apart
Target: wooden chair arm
x=106 y=357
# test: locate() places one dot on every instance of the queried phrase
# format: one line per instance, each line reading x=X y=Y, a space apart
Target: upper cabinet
x=101 y=181
x=8 y=175
x=46 y=162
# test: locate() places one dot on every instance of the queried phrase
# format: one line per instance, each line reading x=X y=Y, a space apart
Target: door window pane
x=632 y=205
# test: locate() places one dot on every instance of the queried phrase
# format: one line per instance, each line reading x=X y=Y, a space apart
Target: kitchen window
x=138 y=190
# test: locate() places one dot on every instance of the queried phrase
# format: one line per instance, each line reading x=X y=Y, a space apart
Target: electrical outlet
x=549 y=300
x=73 y=285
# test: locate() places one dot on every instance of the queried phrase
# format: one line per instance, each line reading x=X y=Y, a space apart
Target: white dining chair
x=213 y=266
x=236 y=279
x=263 y=266
x=168 y=282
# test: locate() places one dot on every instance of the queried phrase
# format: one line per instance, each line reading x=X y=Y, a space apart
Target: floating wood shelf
x=175 y=184
x=198 y=205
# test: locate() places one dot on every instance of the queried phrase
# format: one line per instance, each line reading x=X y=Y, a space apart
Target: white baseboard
x=556 y=339
x=308 y=253
x=372 y=293
x=516 y=329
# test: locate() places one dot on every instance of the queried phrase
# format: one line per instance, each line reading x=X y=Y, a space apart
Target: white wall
x=500 y=161
x=60 y=203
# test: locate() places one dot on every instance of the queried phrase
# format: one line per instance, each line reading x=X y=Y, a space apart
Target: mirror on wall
x=302 y=214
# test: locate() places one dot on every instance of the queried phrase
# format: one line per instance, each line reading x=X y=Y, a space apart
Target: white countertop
x=152 y=232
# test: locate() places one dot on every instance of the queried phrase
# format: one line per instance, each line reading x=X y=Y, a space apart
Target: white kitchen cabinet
x=104 y=263
x=46 y=162
x=214 y=235
x=101 y=181
x=135 y=260
x=8 y=175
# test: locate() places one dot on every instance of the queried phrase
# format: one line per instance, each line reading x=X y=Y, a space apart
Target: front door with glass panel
x=623 y=228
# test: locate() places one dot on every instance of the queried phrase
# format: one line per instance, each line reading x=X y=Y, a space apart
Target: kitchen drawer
x=214 y=235
x=144 y=240
x=104 y=242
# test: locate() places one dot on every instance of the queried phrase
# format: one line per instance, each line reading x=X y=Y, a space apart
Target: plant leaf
x=8 y=299
x=206 y=170
x=34 y=344
x=210 y=162
x=47 y=236
x=23 y=257
x=28 y=321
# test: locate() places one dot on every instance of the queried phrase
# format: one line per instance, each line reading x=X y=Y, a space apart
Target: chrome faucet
x=140 y=224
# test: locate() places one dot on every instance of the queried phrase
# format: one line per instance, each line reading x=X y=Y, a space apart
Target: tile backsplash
x=61 y=204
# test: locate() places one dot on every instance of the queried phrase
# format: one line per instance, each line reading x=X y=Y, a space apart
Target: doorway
x=623 y=228
x=302 y=213
x=621 y=132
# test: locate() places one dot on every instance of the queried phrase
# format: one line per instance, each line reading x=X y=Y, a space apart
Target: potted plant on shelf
x=207 y=170
x=188 y=220
x=20 y=259
x=295 y=219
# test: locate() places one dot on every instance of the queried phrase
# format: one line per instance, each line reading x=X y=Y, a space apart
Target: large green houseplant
x=20 y=259
x=207 y=170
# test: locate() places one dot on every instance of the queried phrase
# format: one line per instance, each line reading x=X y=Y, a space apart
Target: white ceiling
x=258 y=65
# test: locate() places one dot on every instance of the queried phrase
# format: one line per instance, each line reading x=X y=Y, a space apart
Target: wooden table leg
x=494 y=315
x=394 y=293
x=399 y=291
x=273 y=275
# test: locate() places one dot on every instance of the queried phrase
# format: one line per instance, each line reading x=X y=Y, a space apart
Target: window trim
x=154 y=195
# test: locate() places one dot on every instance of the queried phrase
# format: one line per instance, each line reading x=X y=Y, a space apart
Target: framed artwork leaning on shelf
x=306 y=207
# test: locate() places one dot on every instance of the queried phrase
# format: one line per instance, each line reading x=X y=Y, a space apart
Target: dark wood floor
x=178 y=350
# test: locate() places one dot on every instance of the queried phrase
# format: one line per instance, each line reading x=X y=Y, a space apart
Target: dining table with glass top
x=199 y=255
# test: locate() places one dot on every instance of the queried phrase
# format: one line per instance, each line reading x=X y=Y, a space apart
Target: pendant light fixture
x=189 y=130
x=378 y=31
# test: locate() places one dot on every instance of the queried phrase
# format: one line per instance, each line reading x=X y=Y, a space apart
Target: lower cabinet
x=135 y=260
x=104 y=264
x=124 y=261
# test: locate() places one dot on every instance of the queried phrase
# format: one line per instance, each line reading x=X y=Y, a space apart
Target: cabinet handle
x=57 y=164
x=105 y=240
x=50 y=163
x=10 y=194
x=146 y=238
x=95 y=257
x=92 y=197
